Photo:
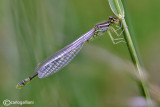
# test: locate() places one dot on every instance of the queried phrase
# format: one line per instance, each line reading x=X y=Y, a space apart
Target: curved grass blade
x=117 y=8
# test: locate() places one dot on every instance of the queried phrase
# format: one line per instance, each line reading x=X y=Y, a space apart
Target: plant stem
x=136 y=61
x=117 y=8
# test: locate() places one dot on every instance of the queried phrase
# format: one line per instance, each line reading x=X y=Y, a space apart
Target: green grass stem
x=118 y=10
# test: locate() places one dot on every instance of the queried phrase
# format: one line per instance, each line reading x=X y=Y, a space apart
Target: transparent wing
x=59 y=63
x=54 y=63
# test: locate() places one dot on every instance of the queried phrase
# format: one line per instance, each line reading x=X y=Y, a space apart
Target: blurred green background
x=30 y=31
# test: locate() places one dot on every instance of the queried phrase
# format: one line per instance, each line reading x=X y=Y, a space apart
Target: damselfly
x=60 y=59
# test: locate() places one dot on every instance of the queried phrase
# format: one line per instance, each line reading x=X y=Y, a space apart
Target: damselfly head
x=113 y=20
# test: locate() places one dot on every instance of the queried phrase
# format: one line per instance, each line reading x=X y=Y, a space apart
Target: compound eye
x=116 y=21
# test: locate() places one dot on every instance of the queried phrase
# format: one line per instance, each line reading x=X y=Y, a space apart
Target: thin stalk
x=117 y=8
x=136 y=61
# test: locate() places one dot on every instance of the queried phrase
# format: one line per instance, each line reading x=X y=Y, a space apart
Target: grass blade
x=117 y=8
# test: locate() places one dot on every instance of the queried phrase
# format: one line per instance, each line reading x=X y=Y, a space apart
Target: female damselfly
x=60 y=59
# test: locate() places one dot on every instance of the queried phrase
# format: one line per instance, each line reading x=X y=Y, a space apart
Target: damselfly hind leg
x=115 y=31
x=118 y=28
x=117 y=40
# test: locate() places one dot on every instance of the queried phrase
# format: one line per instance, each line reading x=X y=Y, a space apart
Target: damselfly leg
x=117 y=40
x=115 y=31
x=120 y=27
